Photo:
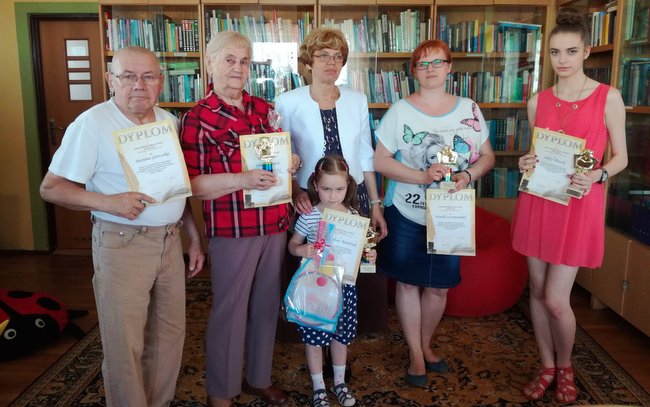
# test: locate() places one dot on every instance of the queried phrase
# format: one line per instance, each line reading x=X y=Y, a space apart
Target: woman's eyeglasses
x=130 y=79
x=436 y=63
x=325 y=57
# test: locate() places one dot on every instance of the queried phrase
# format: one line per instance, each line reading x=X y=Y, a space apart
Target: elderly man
x=139 y=269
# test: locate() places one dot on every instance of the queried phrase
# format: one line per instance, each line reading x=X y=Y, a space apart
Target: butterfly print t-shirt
x=415 y=138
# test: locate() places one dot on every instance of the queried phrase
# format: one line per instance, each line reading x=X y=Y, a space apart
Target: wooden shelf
x=516 y=105
x=165 y=54
x=602 y=48
x=380 y=55
x=638 y=109
x=176 y=105
x=519 y=105
x=489 y=55
x=509 y=153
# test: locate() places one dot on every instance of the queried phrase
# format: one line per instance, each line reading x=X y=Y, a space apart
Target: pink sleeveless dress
x=571 y=235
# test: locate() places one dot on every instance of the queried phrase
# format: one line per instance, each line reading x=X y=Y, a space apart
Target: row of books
x=498 y=183
x=485 y=37
x=640 y=220
x=509 y=134
x=635 y=82
x=638 y=13
x=483 y=87
x=382 y=86
x=181 y=82
x=160 y=34
x=601 y=26
x=258 y=29
x=602 y=74
x=384 y=34
x=492 y=87
x=266 y=82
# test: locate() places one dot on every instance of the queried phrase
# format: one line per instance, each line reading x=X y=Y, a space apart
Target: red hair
x=426 y=47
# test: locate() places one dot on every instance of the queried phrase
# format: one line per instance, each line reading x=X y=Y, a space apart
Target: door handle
x=53 y=129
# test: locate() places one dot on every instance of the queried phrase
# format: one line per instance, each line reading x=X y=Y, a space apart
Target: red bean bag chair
x=494 y=279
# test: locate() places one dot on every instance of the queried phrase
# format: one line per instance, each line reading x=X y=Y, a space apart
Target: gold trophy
x=372 y=238
x=583 y=163
x=265 y=150
x=449 y=158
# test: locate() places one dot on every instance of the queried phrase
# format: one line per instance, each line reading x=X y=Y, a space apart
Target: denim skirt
x=402 y=255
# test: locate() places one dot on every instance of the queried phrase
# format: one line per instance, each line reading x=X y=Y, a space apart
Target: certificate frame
x=347 y=240
x=451 y=222
x=153 y=161
x=556 y=154
x=281 y=161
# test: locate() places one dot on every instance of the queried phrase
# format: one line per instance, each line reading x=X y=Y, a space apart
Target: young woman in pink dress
x=558 y=239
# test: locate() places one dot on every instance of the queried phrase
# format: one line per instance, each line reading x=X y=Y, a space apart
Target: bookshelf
x=497 y=53
x=497 y=61
x=276 y=30
x=172 y=31
x=620 y=283
x=381 y=36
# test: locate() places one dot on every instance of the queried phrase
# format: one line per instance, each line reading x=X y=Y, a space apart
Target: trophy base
x=574 y=193
x=447 y=185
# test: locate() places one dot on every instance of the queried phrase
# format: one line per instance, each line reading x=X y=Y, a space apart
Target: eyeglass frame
x=148 y=78
x=337 y=58
x=436 y=63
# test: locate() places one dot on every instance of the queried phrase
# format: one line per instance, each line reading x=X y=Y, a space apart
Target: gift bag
x=314 y=297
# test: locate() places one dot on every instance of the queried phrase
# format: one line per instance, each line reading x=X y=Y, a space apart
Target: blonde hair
x=322 y=38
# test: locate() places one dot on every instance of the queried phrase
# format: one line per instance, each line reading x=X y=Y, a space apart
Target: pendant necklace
x=574 y=105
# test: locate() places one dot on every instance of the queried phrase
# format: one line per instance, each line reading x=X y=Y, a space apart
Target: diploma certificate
x=556 y=153
x=278 y=159
x=347 y=241
x=152 y=160
x=451 y=222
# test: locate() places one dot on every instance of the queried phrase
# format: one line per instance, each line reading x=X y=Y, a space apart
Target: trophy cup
x=265 y=150
x=584 y=162
x=371 y=241
x=449 y=158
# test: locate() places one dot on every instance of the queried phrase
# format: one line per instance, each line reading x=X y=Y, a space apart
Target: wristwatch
x=603 y=175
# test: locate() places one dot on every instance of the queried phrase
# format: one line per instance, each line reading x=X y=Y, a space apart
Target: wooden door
x=71 y=82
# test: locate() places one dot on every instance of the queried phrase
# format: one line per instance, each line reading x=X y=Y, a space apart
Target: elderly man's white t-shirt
x=88 y=156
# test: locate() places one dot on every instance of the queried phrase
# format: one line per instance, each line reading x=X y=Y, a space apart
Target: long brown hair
x=332 y=165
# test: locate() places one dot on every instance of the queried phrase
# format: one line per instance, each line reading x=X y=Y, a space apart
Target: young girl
x=558 y=239
x=330 y=186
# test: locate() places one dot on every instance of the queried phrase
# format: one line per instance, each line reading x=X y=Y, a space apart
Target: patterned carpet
x=491 y=358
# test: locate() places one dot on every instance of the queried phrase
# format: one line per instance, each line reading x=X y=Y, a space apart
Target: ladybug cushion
x=29 y=321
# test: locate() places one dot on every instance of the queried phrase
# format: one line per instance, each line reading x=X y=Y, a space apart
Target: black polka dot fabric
x=346 y=329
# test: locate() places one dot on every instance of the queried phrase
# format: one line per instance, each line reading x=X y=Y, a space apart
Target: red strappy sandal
x=537 y=387
x=565 y=391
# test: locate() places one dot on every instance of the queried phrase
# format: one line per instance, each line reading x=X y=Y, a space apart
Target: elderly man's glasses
x=325 y=57
x=436 y=63
x=131 y=79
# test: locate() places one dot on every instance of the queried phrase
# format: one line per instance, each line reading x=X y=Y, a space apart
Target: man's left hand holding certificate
x=269 y=152
x=153 y=161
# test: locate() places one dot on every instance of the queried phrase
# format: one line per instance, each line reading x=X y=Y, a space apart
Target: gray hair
x=224 y=39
